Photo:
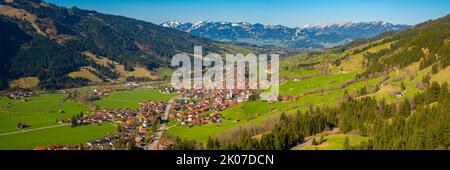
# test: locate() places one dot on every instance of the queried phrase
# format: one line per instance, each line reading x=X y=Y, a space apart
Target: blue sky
x=285 y=12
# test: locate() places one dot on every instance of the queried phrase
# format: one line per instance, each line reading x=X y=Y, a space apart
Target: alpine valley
x=76 y=79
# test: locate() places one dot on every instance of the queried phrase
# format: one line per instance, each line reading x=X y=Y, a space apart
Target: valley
x=76 y=79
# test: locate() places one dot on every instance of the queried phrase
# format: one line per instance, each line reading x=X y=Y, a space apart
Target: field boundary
x=30 y=130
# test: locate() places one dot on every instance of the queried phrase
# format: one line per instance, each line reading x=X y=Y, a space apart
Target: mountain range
x=308 y=36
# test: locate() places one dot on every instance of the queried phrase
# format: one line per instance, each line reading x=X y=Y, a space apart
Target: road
x=162 y=127
x=35 y=129
x=309 y=140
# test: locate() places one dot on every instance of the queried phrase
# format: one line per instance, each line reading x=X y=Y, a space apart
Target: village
x=134 y=127
x=203 y=106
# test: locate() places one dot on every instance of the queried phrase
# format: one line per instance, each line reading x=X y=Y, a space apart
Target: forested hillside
x=427 y=43
x=42 y=40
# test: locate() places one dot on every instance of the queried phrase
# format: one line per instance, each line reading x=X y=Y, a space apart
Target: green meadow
x=131 y=99
x=57 y=135
x=43 y=111
x=296 y=88
x=38 y=111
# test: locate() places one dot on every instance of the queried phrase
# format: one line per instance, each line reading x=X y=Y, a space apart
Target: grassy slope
x=299 y=87
x=335 y=142
x=83 y=73
x=119 y=68
x=354 y=62
x=25 y=83
x=442 y=75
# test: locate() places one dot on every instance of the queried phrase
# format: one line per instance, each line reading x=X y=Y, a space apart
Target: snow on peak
x=200 y=23
x=171 y=24
x=346 y=24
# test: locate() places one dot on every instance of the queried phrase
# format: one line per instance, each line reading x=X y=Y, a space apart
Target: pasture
x=298 y=88
x=58 y=135
x=131 y=99
x=38 y=111
x=41 y=114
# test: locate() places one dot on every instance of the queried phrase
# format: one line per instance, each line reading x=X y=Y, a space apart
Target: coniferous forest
x=27 y=52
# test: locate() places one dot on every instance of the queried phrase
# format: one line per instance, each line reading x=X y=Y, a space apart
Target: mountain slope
x=427 y=44
x=310 y=36
x=42 y=40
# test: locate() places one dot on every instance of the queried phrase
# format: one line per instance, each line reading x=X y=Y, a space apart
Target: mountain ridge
x=46 y=41
x=308 y=36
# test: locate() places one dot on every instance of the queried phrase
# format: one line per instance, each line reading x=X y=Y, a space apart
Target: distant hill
x=42 y=40
x=427 y=44
x=309 y=36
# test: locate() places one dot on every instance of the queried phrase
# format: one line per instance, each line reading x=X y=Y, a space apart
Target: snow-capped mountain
x=308 y=36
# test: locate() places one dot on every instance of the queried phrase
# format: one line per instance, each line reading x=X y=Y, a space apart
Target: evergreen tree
x=314 y=142
x=402 y=86
x=322 y=139
x=346 y=145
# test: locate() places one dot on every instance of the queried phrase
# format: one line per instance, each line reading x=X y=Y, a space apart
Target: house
x=21 y=125
x=132 y=84
x=399 y=94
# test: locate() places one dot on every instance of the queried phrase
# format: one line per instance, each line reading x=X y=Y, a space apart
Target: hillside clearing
x=24 y=83
x=83 y=73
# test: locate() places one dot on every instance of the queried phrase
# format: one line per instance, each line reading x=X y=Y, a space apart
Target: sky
x=293 y=13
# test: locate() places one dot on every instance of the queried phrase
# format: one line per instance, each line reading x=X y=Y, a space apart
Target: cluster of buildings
x=193 y=107
x=19 y=94
x=133 y=125
x=103 y=92
x=203 y=106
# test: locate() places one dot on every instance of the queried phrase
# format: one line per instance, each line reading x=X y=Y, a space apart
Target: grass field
x=39 y=111
x=297 y=88
x=298 y=73
x=58 y=135
x=354 y=62
x=131 y=99
x=335 y=142
x=442 y=76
